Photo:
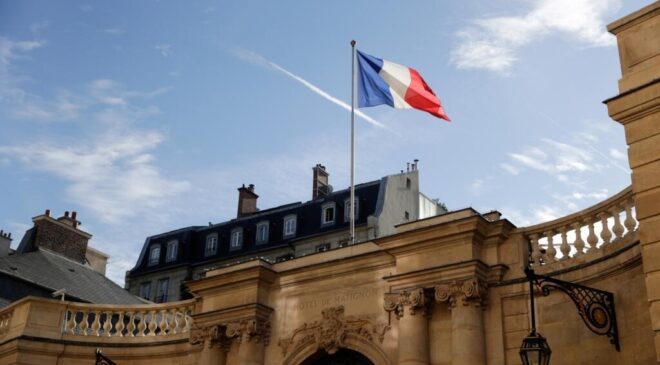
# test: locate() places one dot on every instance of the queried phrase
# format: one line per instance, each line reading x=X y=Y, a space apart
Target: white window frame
x=324 y=209
x=234 y=242
x=172 y=251
x=211 y=240
x=259 y=240
x=289 y=230
x=153 y=261
x=347 y=212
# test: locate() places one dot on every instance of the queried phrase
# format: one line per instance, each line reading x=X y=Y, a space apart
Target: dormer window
x=328 y=213
x=347 y=211
x=154 y=255
x=262 y=232
x=211 y=247
x=289 y=226
x=172 y=251
x=236 y=240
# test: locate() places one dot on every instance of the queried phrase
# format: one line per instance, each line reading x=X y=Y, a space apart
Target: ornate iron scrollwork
x=596 y=307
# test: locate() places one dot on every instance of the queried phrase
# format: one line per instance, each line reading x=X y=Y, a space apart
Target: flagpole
x=352 y=207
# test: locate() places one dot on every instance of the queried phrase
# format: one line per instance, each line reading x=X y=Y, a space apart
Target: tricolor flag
x=385 y=82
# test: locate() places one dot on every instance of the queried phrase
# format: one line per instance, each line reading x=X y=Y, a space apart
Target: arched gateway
x=341 y=357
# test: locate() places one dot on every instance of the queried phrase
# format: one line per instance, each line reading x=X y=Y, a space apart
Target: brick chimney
x=247 y=200
x=5 y=243
x=320 y=186
x=61 y=235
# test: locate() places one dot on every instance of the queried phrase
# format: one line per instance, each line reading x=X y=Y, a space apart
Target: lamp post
x=595 y=307
x=534 y=349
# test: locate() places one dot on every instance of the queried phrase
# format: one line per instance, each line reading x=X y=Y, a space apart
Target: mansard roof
x=192 y=239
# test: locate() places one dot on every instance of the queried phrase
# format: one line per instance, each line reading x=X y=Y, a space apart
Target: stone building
x=54 y=257
x=278 y=234
x=448 y=289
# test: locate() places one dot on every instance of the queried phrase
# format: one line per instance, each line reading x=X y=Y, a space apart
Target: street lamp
x=595 y=307
x=534 y=349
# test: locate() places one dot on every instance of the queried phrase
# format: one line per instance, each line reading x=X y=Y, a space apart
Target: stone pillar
x=411 y=308
x=215 y=345
x=637 y=108
x=252 y=337
x=465 y=299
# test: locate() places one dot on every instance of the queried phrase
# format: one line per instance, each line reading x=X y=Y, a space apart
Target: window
x=289 y=226
x=347 y=211
x=408 y=183
x=322 y=248
x=262 y=232
x=328 y=213
x=163 y=286
x=145 y=290
x=236 y=241
x=211 y=247
x=407 y=215
x=154 y=255
x=172 y=248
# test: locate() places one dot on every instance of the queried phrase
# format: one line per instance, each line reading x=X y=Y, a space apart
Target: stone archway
x=341 y=357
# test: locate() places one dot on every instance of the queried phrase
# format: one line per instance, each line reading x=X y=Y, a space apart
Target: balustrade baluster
x=605 y=234
x=119 y=327
x=579 y=243
x=142 y=326
x=630 y=222
x=162 y=325
x=592 y=239
x=617 y=228
x=70 y=324
x=130 y=329
x=551 y=251
x=84 y=323
x=96 y=326
x=536 y=250
x=152 y=323
x=564 y=247
x=107 y=325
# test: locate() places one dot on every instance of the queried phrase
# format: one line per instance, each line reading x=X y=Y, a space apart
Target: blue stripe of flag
x=372 y=89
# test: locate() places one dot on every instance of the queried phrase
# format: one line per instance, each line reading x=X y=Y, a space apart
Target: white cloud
x=615 y=153
x=259 y=60
x=114 y=31
x=493 y=43
x=554 y=157
x=510 y=169
x=164 y=49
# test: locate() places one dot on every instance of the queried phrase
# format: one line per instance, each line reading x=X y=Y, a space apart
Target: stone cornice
x=444 y=273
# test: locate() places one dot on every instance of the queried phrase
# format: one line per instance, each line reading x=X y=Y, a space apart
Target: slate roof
x=51 y=271
x=192 y=239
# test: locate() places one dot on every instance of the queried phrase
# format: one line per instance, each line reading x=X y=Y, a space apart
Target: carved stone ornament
x=329 y=334
x=469 y=292
x=249 y=330
x=211 y=336
x=417 y=300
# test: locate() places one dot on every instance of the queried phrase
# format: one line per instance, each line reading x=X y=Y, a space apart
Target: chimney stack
x=5 y=243
x=320 y=185
x=247 y=200
x=61 y=235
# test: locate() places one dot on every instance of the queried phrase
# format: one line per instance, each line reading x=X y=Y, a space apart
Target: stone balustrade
x=127 y=321
x=94 y=324
x=584 y=232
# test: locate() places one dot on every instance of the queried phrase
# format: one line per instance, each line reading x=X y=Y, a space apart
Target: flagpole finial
x=353 y=42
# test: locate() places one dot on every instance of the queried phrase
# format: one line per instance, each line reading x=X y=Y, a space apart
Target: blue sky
x=146 y=116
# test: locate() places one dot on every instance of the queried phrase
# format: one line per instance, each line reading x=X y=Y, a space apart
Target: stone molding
x=471 y=291
x=210 y=336
x=417 y=300
x=254 y=329
x=330 y=333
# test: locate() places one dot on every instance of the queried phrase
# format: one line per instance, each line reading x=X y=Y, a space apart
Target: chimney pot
x=73 y=215
x=48 y=212
x=9 y=235
x=66 y=214
x=251 y=187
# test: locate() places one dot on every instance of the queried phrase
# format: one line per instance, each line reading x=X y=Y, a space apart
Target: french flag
x=401 y=87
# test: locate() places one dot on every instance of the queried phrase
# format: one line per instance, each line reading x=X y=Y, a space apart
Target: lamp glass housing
x=535 y=350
